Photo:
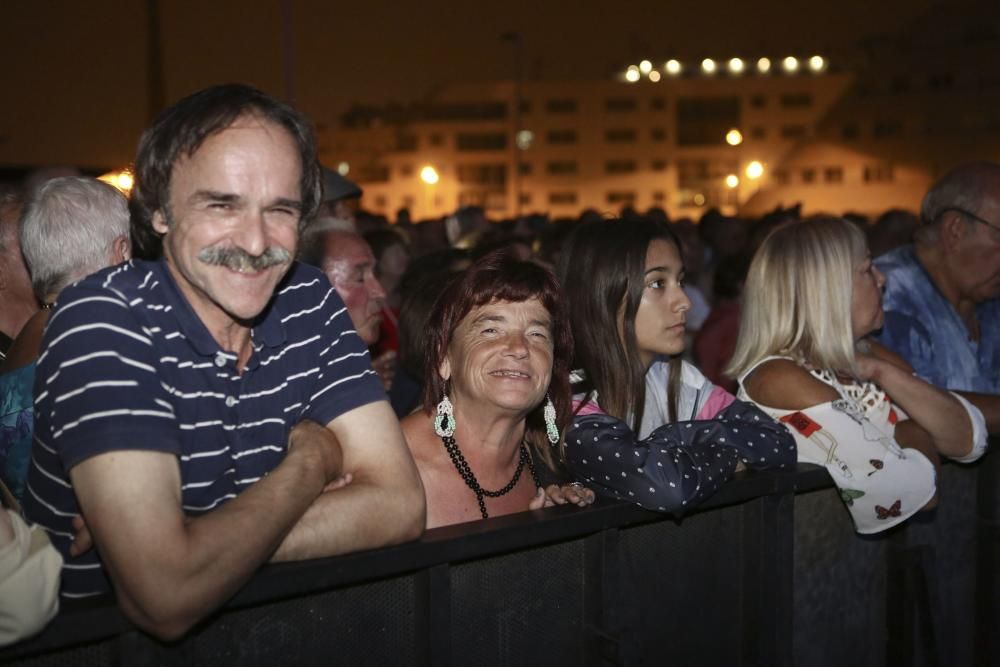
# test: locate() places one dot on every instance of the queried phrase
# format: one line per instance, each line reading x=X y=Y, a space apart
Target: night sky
x=74 y=74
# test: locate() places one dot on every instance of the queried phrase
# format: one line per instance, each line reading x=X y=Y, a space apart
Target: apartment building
x=864 y=134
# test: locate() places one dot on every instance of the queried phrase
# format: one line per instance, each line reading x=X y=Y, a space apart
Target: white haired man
x=942 y=295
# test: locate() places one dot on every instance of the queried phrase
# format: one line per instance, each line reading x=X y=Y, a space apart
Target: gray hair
x=68 y=231
x=964 y=187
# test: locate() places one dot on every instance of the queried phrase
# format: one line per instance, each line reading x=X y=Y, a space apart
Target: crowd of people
x=236 y=366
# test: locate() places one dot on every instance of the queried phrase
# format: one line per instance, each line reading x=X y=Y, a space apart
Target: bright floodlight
x=755 y=170
x=708 y=66
x=734 y=137
x=429 y=175
x=790 y=64
x=632 y=74
x=817 y=63
x=645 y=67
x=732 y=180
x=736 y=65
x=654 y=76
x=673 y=67
x=763 y=65
x=343 y=169
x=122 y=180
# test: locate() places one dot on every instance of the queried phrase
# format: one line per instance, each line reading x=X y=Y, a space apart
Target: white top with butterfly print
x=881 y=483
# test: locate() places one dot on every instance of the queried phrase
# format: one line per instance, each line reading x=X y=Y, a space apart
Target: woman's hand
x=868 y=365
x=554 y=494
x=872 y=358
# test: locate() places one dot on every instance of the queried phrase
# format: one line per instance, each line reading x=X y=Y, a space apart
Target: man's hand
x=321 y=443
x=385 y=366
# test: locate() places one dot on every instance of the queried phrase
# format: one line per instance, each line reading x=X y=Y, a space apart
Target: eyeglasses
x=969 y=214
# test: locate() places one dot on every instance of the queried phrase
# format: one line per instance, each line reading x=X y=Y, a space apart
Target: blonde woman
x=803 y=355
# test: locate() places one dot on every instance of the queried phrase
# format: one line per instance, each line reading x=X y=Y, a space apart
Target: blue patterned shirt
x=926 y=330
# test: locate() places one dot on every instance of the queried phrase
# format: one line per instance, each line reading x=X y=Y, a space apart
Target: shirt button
x=230 y=401
x=220 y=360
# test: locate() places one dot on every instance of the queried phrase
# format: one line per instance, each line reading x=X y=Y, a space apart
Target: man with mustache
x=211 y=409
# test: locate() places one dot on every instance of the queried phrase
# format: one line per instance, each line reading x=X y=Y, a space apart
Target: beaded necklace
x=470 y=478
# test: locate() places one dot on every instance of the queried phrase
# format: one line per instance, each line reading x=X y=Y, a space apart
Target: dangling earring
x=444 y=421
x=549 y=415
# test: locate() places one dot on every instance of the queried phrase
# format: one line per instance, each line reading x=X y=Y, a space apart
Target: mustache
x=239 y=259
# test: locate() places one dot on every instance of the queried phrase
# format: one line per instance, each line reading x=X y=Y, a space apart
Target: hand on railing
x=555 y=494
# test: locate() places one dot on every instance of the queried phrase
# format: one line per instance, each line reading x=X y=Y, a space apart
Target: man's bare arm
x=383 y=504
x=170 y=571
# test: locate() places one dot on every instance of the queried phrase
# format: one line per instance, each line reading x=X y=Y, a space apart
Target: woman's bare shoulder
x=424 y=444
x=784 y=385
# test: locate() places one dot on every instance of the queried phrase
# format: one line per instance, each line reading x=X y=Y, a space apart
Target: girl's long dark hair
x=602 y=272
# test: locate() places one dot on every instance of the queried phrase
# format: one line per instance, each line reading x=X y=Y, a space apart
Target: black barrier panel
x=767 y=573
x=945 y=540
x=680 y=591
x=839 y=584
x=524 y=608
x=371 y=624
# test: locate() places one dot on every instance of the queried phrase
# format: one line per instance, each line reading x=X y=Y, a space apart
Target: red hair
x=500 y=276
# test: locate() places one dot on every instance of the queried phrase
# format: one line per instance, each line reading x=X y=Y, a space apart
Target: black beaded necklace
x=470 y=478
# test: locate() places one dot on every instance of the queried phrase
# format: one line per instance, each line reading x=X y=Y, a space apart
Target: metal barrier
x=768 y=572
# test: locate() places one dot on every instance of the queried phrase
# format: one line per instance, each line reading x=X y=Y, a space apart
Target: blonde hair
x=797 y=296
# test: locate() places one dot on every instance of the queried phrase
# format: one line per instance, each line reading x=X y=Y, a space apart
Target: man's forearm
x=363 y=515
x=169 y=577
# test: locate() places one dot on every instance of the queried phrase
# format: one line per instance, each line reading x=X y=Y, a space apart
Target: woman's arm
x=678 y=465
x=935 y=410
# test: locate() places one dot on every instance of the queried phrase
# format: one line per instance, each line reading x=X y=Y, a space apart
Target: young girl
x=811 y=298
x=648 y=427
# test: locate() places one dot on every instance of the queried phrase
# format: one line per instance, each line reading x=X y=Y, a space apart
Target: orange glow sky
x=74 y=75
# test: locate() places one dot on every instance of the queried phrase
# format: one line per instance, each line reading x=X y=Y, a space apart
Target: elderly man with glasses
x=942 y=296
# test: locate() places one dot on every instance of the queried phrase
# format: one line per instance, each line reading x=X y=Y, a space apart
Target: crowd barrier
x=768 y=572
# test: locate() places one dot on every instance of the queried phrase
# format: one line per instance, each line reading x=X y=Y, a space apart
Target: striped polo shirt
x=128 y=365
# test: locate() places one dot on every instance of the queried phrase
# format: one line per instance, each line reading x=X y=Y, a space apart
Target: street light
x=736 y=65
x=734 y=137
x=708 y=66
x=732 y=180
x=673 y=67
x=763 y=65
x=645 y=67
x=429 y=175
x=817 y=63
x=754 y=170
x=790 y=64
